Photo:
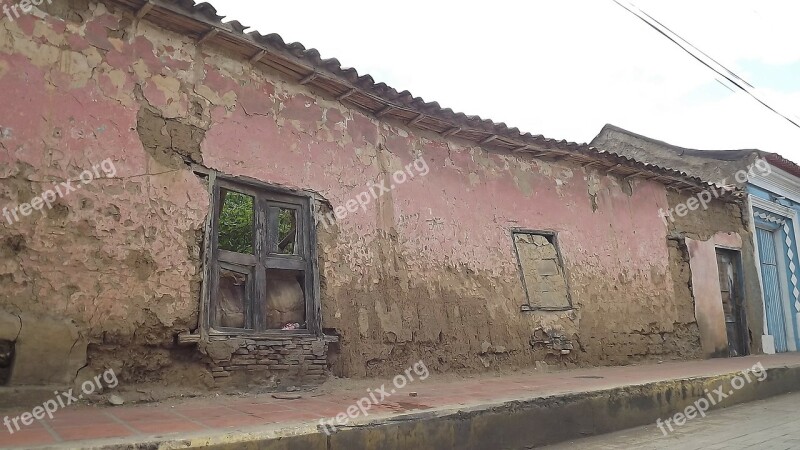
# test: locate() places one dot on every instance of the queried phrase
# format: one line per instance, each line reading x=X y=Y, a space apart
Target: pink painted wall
x=706 y=289
x=427 y=271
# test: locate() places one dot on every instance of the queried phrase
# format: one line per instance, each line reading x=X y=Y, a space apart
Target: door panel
x=730 y=282
x=772 y=292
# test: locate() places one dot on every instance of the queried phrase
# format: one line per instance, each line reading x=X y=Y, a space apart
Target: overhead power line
x=702 y=57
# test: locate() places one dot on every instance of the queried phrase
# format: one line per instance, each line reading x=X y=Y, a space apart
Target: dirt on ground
x=160 y=395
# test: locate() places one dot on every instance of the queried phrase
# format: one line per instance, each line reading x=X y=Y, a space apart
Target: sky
x=565 y=68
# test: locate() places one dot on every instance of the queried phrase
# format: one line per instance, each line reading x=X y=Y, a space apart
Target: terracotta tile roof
x=779 y=161
x=201 y=22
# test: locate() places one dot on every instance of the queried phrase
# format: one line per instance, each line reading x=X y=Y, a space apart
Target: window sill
x=262 y=335
x=276 y=335
x=529 y=308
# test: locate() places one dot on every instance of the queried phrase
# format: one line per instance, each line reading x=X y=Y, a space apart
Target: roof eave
x=304 y=66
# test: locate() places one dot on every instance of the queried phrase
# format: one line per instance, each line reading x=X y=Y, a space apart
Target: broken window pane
x=285 y=307
x=236 y=220
x=542 y=274
x=231 y=299
x=287 y=231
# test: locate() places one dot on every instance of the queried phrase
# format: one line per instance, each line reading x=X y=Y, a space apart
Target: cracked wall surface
x=119 y=256
x=428 y=271
x=702 y=229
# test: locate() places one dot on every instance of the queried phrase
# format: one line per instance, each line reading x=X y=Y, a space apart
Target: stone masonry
x=300 y=359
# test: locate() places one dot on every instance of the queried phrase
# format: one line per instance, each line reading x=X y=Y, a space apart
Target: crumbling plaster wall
x=706 y=225
x=427 y=271
x=119 y=256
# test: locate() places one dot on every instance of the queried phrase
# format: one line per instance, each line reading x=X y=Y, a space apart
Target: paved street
x=766 y=424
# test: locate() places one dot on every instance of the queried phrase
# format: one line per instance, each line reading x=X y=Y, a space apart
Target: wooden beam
x=384 y=111
x=347 y=94
x=416 y=120
x=633 y=175
x=582 y=159
x=451 y=131
x=590 y=164
x=673 y=184
x=186 y=338
x=521 y=149
x=144 y=10
x=307 y=79
x=489 y=139
x=207 y=36
x=255 y=58
x=612 y=169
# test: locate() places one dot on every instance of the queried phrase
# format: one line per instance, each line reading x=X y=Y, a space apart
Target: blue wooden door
x=772 y=292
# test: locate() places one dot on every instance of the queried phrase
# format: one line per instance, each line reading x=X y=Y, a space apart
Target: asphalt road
x=766 y=424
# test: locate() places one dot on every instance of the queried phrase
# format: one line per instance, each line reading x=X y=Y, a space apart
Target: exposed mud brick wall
x=703 y=225
x=427 y=271
x=120 y=256
x=687 y=340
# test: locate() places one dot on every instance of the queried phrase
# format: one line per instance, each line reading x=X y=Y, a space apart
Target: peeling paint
x=427 y=272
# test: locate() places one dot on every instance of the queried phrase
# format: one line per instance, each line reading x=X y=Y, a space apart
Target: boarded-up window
x=541 y=271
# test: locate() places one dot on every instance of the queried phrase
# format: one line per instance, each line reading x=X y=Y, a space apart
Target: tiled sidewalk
x=223 y=414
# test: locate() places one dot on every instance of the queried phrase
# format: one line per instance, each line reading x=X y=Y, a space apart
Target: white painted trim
x=792 y=320
x=768 y=344
x=778 y=181
x=773 y=207
x=788 y=323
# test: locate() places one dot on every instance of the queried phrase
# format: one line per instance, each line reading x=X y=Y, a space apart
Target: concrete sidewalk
x=507 y=411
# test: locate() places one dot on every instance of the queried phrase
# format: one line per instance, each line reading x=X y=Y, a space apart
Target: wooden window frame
x=263 y=259
x=553 y=237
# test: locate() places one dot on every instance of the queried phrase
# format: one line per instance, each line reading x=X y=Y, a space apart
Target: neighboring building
x=241 y=211
x=773 y=185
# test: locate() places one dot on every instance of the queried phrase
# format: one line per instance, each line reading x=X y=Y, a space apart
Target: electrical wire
x=729 y=75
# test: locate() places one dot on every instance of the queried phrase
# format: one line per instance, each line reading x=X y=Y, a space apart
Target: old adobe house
x=204 y=256
x=773 y=202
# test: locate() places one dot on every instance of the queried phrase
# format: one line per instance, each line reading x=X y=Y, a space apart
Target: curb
x=503 y=425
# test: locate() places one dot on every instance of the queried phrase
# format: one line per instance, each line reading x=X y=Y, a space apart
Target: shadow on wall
x=6 y=358
x=47 y=351
x=10 y=327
